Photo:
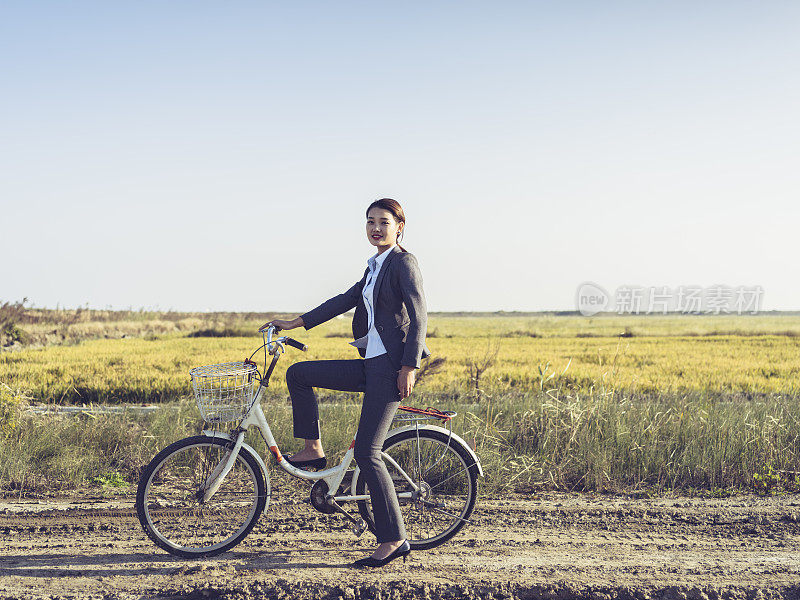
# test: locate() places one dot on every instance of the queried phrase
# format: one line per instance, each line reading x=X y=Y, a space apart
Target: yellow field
x=743 y=355
x=676 y=403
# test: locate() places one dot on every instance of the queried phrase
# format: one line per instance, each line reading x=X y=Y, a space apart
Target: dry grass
x=678 y=403
x=46 y=327
x=527 y=441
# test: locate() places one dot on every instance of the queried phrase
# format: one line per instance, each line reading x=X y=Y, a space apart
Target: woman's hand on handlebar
x=293 y=324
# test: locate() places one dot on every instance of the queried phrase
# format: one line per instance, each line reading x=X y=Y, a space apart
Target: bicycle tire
x=454 y=455
x=168 y=505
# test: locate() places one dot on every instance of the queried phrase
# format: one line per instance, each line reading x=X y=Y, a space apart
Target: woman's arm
x=296 y=322
x=410 y=282
x=335 y=306
x=325 y=311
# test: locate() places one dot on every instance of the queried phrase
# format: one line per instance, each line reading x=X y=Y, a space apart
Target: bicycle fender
x=245 y=448
x=456 y=438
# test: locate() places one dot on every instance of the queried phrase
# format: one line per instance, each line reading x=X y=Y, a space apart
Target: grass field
x=719 y=356
x=615 y=403
x=525 y=441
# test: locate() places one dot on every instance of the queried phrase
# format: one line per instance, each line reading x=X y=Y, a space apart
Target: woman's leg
x=301 y=379
x=381 y=399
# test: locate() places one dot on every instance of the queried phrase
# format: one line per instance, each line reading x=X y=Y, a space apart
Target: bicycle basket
x=224 y=392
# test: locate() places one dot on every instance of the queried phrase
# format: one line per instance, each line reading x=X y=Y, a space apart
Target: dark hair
x=393 y=206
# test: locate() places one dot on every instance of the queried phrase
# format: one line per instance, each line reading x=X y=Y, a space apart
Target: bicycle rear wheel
x=169 y=499
x=446 y=477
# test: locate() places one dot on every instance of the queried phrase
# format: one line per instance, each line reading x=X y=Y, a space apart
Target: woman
x=389 y=327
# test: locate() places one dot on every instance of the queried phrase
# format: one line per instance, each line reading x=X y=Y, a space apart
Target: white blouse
x=374 y=344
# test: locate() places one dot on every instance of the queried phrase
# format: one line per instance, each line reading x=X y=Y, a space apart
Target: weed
x=10 y=405
x=770 y=481
x=428 y=367
x=478 y=362
x=110 y=480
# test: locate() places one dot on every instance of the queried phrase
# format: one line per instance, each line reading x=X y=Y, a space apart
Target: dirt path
x=555 y=547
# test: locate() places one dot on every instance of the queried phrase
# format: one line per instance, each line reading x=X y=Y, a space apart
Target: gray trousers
x=377 y=378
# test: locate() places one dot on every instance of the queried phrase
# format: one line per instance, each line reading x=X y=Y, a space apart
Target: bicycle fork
x=222 y=469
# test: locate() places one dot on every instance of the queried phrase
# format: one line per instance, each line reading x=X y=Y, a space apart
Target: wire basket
x=224 y=392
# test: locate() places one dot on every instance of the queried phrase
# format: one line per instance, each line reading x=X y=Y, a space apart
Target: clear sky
x=220 y=155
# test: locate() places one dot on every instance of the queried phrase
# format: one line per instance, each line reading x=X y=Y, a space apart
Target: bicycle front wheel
x=445 y=485
x=170 y=505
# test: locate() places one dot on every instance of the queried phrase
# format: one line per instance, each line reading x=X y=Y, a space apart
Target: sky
x=220 y=156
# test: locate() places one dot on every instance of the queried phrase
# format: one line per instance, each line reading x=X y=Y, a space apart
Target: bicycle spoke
x=448 y=479
x=442 y=494
x=441 y=510
x=180 y=516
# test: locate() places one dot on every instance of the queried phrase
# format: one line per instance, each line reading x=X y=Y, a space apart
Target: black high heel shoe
x=403 y=550
x=316 y=463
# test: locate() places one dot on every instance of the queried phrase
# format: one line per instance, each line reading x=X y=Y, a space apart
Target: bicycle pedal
x=359 y=527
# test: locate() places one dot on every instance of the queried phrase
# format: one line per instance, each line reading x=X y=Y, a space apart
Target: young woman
x=389 y=327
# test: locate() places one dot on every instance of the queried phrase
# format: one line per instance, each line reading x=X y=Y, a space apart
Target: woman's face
x=382 y=228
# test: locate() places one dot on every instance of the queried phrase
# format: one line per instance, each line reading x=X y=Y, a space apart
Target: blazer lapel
x=395 y=249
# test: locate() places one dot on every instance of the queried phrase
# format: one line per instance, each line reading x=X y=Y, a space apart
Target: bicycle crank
x=324 y=502
x=358 y=526
x=319 y=498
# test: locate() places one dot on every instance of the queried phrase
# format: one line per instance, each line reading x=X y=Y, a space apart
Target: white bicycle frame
x=333 y=476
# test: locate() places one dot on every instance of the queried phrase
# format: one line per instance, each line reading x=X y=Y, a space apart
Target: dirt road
x=555 y=546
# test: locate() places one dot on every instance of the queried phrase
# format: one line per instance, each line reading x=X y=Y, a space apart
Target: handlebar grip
x=295 y=344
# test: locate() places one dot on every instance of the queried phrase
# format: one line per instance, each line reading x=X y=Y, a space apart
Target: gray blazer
x=401 y=317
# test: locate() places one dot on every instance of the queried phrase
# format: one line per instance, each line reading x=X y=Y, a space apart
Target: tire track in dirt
x=554 y=546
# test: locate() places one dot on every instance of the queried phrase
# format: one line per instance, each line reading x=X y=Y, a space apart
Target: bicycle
x=202 y=495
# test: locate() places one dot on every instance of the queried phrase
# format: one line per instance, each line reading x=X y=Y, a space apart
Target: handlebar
x=273 y=346
x=295 y=344
x=273 y=329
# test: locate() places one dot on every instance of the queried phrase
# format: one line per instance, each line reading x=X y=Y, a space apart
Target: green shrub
x=12 y=333
x=111 y=479
x=11 y=313
x=10 y=404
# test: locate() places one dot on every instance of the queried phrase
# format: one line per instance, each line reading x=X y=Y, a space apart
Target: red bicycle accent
x=430 y=411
